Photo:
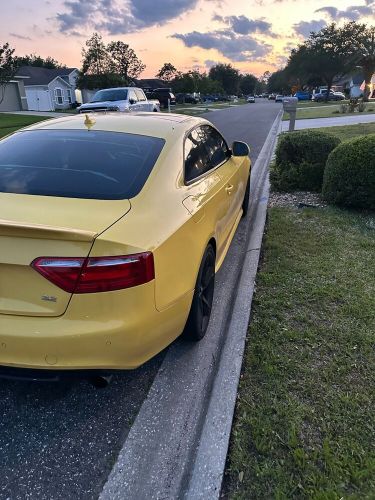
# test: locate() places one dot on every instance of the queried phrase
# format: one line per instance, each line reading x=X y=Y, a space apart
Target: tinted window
x=216 y=146
x=110 y=95
x=205 y=149
x=77 y=163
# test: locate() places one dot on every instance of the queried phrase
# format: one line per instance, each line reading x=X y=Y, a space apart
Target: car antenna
x=89 y=122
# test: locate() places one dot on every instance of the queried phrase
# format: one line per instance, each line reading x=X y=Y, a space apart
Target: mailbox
x=290 y=104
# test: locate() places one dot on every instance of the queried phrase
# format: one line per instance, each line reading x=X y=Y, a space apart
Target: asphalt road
x=250 y=123
x=59 y=441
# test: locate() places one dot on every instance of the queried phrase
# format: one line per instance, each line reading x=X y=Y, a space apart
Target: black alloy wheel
x=246 y=199
x=200 y=312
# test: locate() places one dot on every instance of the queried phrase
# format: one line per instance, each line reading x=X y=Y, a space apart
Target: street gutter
x=178 y=443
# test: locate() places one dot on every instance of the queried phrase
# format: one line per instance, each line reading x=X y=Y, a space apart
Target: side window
x=132 y=95
x=205 y=149
x=196 y=156
x=217 y=148
x=140 y=95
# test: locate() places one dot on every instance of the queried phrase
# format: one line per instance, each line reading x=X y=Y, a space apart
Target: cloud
x=245 y=26
x=151 y=13
x=352 y=13
x=234 y=47
x=116 y=17
x=20 y=37
x=209 y=63
x=304 y=28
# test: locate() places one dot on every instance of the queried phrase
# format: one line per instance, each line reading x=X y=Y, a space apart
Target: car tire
x=201 y=306
x=246 y=199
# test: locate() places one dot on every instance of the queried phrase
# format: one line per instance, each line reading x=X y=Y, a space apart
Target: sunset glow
x=253 y=35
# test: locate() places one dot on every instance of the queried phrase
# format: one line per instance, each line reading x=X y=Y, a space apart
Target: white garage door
x=38 y=100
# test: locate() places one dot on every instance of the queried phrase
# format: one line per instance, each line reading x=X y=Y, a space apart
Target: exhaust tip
x=101 y=381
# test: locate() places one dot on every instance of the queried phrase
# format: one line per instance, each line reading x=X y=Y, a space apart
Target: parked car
x=302 y=95
x=162 y=95
x=109 y=242
x=251 y=99
x=186 y=98
x=333 y=96
x=272 y=97
x=120 y=99
x=279 y=98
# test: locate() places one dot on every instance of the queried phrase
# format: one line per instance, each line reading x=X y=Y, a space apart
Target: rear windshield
x=77 y=163
x=110 y=95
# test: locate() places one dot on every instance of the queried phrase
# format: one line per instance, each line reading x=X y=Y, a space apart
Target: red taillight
x=97 y=274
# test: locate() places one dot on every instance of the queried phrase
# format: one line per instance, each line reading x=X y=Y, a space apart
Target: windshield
x=77 y=163
x=110 y=95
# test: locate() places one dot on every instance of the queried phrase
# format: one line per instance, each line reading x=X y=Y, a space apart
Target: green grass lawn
x=328 y=111
x=10 y=123
x=349 y=131
x=304 y=422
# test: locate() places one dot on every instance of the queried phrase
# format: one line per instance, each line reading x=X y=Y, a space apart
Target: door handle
x=229 y=188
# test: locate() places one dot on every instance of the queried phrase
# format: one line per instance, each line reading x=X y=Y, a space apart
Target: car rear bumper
x=112 y=330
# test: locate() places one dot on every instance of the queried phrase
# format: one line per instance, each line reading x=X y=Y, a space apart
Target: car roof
x=150 y=124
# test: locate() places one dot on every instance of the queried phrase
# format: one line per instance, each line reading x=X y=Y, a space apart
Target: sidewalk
x=329 y=122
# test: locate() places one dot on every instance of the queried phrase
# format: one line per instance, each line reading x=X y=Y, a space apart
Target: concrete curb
x=185 y=420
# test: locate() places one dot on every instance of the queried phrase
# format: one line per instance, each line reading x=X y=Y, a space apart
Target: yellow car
x=111 y=230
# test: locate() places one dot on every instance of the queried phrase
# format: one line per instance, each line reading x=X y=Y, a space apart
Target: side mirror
x=240 y=149
x=132 y=101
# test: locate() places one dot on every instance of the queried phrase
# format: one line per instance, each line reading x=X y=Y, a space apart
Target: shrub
x=300 y=160
x=349 y=177
x=353 y=104
x=343 y=108
x=361 y=107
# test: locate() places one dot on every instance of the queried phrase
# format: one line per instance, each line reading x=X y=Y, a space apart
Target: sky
x=253 y=35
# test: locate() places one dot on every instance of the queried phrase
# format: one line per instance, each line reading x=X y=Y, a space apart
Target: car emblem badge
x=49 y=298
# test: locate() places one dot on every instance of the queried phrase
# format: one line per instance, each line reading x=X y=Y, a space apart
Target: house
x=353 y=85
x=13 y=96
x=357 y=85
x=49 y=89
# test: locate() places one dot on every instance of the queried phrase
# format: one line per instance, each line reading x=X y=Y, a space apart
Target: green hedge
x=300 y=160
x=349 y=178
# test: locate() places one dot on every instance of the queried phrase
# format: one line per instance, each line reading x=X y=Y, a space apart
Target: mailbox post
x=290 y=106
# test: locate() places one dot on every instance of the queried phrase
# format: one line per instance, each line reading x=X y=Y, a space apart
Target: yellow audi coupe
x=111 y=231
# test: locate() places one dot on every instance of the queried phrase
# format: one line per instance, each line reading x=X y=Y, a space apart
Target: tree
x=227 y=76
x=124 y=61
x=248 y=84
x=8 y=68
x=38 y=61
x=193 y=81
x=326 y=54
x=279 y=81
x=96 y=59
x=366 y=56
x=167 y=72
x=105 y=66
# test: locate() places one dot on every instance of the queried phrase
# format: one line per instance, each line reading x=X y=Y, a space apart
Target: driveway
x=61 y=441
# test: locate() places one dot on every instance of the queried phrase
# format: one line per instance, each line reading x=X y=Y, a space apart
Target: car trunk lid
x=42 y=226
